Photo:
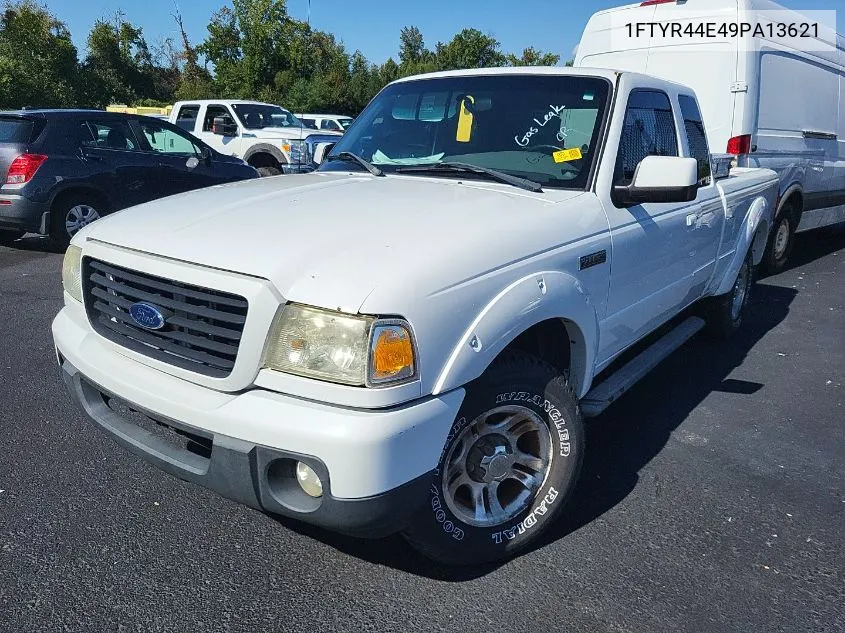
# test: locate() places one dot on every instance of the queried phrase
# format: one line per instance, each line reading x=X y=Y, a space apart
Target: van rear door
x=711 y=68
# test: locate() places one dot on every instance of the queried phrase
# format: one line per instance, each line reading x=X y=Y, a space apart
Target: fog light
x=308 y=480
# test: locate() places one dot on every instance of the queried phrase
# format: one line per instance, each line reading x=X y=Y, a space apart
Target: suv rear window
x=18 y=130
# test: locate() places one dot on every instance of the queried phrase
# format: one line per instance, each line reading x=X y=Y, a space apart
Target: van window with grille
x=696 y=137
x=648 y=130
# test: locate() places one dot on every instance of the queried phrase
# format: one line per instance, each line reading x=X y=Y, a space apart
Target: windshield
x=541 y=127
x=256 y=116
x=345 y=123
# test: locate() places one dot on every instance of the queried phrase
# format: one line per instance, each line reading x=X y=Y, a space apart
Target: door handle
x=691 y=219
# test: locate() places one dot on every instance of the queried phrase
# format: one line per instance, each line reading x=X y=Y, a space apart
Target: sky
x=372 y=26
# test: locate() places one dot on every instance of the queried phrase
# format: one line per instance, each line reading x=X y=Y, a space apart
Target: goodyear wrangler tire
x=510 y=463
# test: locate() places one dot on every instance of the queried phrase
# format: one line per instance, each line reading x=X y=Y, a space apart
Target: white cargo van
x=768 y=103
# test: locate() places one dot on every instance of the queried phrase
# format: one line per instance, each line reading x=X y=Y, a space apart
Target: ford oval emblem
x=147 y=316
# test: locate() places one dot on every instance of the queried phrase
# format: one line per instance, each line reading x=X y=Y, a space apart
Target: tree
x=532 y=57
x=469 y=49
x=411 y=45
x=38 y=61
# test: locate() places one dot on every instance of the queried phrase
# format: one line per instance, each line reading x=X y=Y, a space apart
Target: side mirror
x=205 y=156
x=321 y=151
x=659 y=179
x=224 y=126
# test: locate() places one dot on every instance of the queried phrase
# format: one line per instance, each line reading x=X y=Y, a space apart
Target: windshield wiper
x=516 y=181
x=351 y=157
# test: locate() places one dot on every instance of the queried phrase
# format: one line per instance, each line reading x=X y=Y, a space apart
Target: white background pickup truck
x=266 y=136
x=413 y=338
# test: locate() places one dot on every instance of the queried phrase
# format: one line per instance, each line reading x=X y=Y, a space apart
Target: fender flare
x=266 y=148
x=753 y=234
x=530 y=300
x=794 y=188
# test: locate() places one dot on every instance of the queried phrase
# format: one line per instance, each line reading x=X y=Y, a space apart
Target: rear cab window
x=648 y=130
x=186 y=116
x=696 y=137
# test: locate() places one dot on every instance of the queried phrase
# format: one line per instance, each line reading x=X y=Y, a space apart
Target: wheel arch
x=792 y=196
x=265 y=155
x=753 y=235
x=62 y=194
x=550 y=310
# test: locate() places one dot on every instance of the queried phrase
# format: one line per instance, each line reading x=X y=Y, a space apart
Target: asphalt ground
x=712 y=499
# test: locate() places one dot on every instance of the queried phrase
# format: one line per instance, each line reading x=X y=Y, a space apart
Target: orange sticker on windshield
x=464 y=122
x=566 y=155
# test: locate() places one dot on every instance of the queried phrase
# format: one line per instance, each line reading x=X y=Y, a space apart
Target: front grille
x=202 y=330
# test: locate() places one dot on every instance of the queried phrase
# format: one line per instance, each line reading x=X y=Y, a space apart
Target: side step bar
x=603 y=395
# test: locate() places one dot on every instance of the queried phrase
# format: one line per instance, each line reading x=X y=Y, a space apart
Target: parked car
x=412 y=337
x=330 y=122
x=266 y=136
x=63 y=169
x=770 y=105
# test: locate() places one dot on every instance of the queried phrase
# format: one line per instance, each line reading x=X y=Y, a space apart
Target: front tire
x=510 y=463
x=724 y=314
x=269 y=171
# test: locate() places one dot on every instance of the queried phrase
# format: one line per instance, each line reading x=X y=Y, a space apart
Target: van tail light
x=23 y=168
x=648 y=3
x=739 y=145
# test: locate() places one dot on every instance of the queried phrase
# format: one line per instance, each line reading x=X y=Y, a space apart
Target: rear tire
x=725 y=313
x=71 y=214
x=510 y=463
x=781 y=241
x=268 y=171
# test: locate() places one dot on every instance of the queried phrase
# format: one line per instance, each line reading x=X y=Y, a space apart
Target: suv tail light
x=23 y=168
x=739 y=145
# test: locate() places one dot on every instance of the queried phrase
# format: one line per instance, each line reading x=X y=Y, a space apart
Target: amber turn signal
x=392 y=354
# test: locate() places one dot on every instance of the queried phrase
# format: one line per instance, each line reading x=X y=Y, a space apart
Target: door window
x=648 y=130
x=328 y=124
x=113 y=134
x=696 y=137
x=211 y=113
x=166 y=140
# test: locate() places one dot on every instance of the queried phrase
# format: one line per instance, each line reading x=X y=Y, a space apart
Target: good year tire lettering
x=528 y=522
x=554 y=415
x=440 y=516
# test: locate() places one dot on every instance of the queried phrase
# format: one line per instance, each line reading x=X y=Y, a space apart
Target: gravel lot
x=713 y=499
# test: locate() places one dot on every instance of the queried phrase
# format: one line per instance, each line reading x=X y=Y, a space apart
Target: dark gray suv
x=63 y=169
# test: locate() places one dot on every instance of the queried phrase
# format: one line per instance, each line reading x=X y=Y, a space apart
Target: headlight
x=297 y=151
x=72 y=272
x=343 y=348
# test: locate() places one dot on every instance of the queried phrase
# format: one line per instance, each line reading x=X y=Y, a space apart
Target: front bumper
x=18 y=213
x=375 y=465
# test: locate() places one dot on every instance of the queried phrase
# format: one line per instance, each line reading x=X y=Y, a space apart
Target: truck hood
x=330 y=239
x=289 y=133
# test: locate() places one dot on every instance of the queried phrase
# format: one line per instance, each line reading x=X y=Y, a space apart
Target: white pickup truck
x=412 y=339
x=266 y=136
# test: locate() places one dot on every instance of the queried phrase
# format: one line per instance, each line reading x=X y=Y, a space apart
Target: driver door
x=229 y=145
x=653 y=246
